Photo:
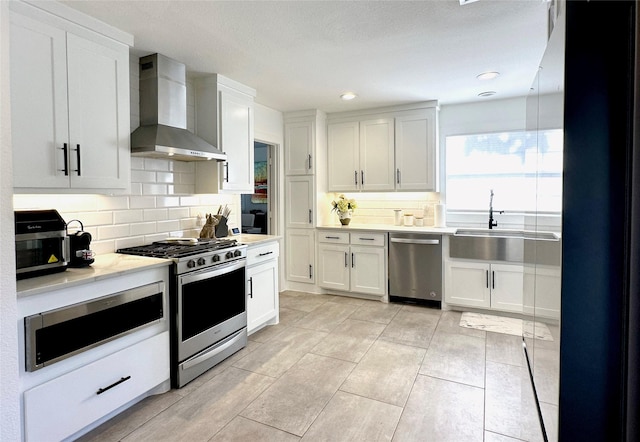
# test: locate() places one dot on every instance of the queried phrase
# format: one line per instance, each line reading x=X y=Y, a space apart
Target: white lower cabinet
x=300 y=256
x=496 y=286
x=61 y=407
x=262 y=290
x=346 y=265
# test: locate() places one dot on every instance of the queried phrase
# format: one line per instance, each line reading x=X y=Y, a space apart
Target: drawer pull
x=332 y=237
x=102 y=390
x=265 y=253
x=367 y=239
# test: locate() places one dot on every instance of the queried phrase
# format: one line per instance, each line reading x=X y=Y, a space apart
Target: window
x=524 y=169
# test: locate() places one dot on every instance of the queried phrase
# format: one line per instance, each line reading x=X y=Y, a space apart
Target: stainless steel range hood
x=163 y=115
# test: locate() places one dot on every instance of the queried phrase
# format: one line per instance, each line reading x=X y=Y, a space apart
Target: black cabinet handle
x=65 y=150
x=226 y=169
x=353 y=261
x=309 y=161
x=102 y=390
x=487 y=272
x=310 y=272
x=310 y=216
x=362 y=177
x=251 y=287
x=332 y=237
x=398 y=176
x=355 y=177
x=366 y=239
x=265 y=254
x=346 y=264
x=78 y=158
x=493 y=280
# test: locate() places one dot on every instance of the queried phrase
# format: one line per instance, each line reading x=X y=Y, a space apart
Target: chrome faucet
x=492 y=223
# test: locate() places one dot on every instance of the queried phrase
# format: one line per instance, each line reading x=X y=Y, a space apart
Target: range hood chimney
x=163 y=115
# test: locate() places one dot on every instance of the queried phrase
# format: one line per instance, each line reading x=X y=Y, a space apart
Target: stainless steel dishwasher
x=415 y=267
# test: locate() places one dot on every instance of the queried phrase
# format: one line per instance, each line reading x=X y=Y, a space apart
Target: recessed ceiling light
x=490 y=75
x=348 y=96
x=486 y=93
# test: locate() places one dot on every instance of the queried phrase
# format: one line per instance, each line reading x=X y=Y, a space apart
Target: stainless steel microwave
x=42 y=244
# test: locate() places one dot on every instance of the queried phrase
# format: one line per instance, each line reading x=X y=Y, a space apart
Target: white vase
x=345 y=217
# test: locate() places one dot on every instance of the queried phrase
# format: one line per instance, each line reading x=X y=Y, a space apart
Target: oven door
x=211 y=306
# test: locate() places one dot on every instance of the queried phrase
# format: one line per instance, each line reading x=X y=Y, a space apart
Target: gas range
x=193 y=253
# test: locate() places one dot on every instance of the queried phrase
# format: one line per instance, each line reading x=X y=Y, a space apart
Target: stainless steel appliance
x=415 y=267
x=58 y=334
x=163 y=115
x=207 y=302
x=42 y=246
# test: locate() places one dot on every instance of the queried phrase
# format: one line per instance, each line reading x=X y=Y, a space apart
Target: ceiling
x=304 y=54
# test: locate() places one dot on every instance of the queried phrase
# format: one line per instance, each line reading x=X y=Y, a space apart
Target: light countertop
x=105 y=266
x=251 y=239
x=388 y=228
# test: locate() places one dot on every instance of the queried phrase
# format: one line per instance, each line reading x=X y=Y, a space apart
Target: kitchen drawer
x=328 y=236
x=368 y=239
x=61 y=407
x=261 y=253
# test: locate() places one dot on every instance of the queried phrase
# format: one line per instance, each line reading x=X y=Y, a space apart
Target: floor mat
x=509 y=326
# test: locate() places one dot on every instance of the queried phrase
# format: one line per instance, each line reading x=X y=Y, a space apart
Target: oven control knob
x=216 y=258
x=237 y=253
x=191 y=263
x=229 y=255
x=201 y=262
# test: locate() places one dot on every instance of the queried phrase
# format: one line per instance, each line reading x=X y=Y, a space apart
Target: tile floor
x=346 y=369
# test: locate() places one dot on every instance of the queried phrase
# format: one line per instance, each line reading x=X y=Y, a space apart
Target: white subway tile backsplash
x=186 y=178
x=156 y=164
x=188 y=223
x=131 y=241
x=127 y=216
x=142 y=202
x=184 y=167
x=143 y=176
x=112 y=232
x=177 y=213
x=167 y=201
x=143 y=228
x=137 y=163
x=103 y=247
x=154 y=189
x=183 y=189
x=105 y=202
x=155 y=214
x=189 y=201
x=168 y=226
x=164 y=177
x=148 y=239
x=90 y=218
x=136 y=189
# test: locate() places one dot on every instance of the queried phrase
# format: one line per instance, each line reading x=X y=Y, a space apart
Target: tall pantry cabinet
x=304 y=148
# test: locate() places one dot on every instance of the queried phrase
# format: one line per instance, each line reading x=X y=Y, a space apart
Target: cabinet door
x=39 y=114
x=299 y=148
x=416 y=152
x=333 y=266
x=507 y=287
x=98 y=75
x=343 y=166
x=236 y=139
x=368 y=274
x=377 y=170
x=299 y=201
x=468 y=284
x=300 y=256
x=262 y=301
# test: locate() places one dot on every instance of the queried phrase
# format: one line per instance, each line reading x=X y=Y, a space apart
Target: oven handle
x=211 y=353
x=212 y=272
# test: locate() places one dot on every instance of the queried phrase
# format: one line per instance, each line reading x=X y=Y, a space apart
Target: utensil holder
x=222 y=230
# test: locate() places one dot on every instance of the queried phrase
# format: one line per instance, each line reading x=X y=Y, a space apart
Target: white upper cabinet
x=299 y=139
x=384 y=149
x=416 y=151
x=224 y=118
x=360 y=155
x=70 y=106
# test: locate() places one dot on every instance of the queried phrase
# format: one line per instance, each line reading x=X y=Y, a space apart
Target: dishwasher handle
x=416 y=241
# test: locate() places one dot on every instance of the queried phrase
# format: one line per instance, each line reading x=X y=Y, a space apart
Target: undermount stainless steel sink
x=505 y=233
x=520 y=246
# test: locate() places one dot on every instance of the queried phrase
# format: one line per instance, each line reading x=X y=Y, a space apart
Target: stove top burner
x=176 y=249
